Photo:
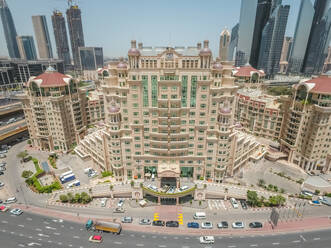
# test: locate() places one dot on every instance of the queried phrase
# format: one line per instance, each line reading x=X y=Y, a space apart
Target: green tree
x=261 y=182
x=27 y=173
x=22 y=154
x=63 y=198
x=277 y=200
x=111 y=187
x=132 y=183
x=317 y=192
x=78 y=198
x=252 y=198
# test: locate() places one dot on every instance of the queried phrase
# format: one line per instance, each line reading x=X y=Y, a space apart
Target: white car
x=152 y=187
x=120 y=203
x=11 y=200
x=238 y=225
x=16 y=211
x=234 y=203
x=103 y=202
x=2 y=184
x=3 y=155
x=207 y=225
x=207 y=240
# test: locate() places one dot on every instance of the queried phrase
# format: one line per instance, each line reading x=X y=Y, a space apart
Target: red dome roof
x=205 y=52
x=217 y=67
x=121 y=65
x=134 y=52
x=51 y=78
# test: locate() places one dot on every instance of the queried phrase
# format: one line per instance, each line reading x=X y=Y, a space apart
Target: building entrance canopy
x=168 y=170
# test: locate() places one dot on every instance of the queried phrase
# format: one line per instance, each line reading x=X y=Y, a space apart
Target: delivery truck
x=102 y=226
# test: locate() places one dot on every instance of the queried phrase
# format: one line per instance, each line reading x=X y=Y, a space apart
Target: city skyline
x=171 y=32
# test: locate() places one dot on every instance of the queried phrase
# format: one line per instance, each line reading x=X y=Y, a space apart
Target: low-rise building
x=247 y=76
x=259 y=114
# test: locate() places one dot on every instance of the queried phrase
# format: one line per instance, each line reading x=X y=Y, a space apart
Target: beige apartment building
x=92 y=101
x=224 y=45
x=306 y=131
x=53 y=111
x=259 y=114
x=169 y=111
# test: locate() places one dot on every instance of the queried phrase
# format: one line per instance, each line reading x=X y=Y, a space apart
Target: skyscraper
x=272 y=39
x=224 y=44
x=26 y=47
x=319 y=38
x=42 y=37
x=74 y=20
x=246 y=30
x=287 y=45
x=91 y=58
x=301 y=36
x=262 y=16
x=233 y=43
x=9 y=30
x=61 y=38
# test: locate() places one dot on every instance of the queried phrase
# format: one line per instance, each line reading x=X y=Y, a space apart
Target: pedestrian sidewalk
x=307 y=224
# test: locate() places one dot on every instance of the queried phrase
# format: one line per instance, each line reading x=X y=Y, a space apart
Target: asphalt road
x=12 y=126
x=30 y=230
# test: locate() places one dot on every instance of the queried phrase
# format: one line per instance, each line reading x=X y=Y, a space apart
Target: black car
x=172 y=223
x=1 y=201
x=1 y=173
x=255 y=225
x=243 y=204
x=158 y=223
x=223 y=224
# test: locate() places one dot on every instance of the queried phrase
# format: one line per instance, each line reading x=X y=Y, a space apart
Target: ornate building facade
x=169 y=111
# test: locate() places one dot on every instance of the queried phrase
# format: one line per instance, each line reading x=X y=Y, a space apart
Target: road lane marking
x=316 y=238
x=164 y=237
x=49 y=227
x=296 y=241
x=21 y=245
x=43 y=235
x=254 y=245
x=118 y=242
x=33 y=244
x=140 y=245
x=132 y=235
x=187 y=237
x=154 y=237
x=232 y=246
x=4 y=221
x=12 y=232
x=143 y=236
x=303 y=238
x=57 y=233
x=28 y=219
x=38 y=229
x=275 y=243
x=21 y=235
x=21 y=226
x=45 y=222
x=162 y=246
x=175 y=237
x=70 y=245
x=76 y=237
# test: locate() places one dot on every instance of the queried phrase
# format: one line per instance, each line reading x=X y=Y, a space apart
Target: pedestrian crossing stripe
x=180 y=219
x=156 y=216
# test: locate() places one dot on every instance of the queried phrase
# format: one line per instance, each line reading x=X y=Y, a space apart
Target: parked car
x=1 y=173
x=158 y=223
x=127 y=219
x=3 y=208
x=16 y=211
x=3 y=156
x=2 y=168
x=315 y=203
x=207 y=240
x=223 y=224
x=183 y=188
x=255 y=225
x=172 y=223
x=238 y=225
x=234 y=203
x=3 y=164
x=3 y=151
x=26 y=159
x=171 y=190
x=11 y=200
x=145 y=222
x=119 y=210
x=103 y=202
x=2 y=184
x=152 y=187
x=243 y=204
x=193 y=225
x=120 y=203
x=95 y=238
x=207 y=225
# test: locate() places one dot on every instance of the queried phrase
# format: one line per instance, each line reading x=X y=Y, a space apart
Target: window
x=184 y=91
x=145 y=90
x=154 y=91
x=193 y=91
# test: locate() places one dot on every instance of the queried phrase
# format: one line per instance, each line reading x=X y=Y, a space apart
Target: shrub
x=52 y=161
x=22 y=154
x=111 y=187
x=106 y=173
x=327 y=194
x=252 y=198
x=29 y=142
x=300 y=181
x=282 y=190
x=27 y=173
x=317 y=192
x=261 y=182
x=29 y=181
x=132 y=183
x=63 y=198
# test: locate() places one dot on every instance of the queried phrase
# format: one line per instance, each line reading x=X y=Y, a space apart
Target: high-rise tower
x=42 y=37
x=26 y=47
x=301 y=36
x=61 y=38
x=272 y=39
x=9 y=30
x=74 y=20
x=224 y=45
x=319 y=38
x=262 y=16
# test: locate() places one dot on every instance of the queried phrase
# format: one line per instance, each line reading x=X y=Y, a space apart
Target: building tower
x=233 y=43
x=224 y=44
x=301 y=36
x=42 y=37
x=75 y=26
x=9 y=30
x=261 y=19
x=61 y=38
x=26 y=47
x=272 y=39
x=246 y=30
x=319 y=38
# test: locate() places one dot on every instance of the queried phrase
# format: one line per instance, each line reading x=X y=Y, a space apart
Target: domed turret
x=217 y=66
x=121 y=64
x=133 y=50
x=114 y=108
x=206 y=50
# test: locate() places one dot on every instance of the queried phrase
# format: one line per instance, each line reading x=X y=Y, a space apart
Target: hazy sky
x=111 y=24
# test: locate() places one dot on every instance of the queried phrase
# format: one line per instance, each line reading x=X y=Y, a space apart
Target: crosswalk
x=216 y=204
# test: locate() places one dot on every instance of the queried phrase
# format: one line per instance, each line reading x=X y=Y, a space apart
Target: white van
x=87 y=170
x=234 y=203
x=199 y=215
x=10 y=200
x=183 y=188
